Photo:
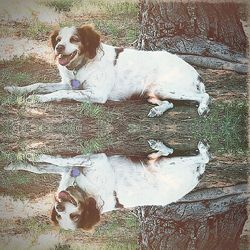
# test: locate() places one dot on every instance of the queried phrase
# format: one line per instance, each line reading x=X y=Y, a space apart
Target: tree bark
x=203 y=220
x=195 y=30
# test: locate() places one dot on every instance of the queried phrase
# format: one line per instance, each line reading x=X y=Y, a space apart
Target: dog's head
x=73 y=45
x=74 y=209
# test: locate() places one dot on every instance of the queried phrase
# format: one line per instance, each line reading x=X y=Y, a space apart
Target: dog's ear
x=53 y=37
x=90 y=215
x=90 y=40
x=53 y=216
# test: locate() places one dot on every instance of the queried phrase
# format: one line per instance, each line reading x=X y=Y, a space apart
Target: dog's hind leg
x=203 y=104
x=203 y=151
x=161 y=108
x=201 y=98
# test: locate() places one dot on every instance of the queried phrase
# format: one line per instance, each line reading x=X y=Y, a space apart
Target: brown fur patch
x=53 y=216
x=53 y=37
x=90 y=40
x=90 y=215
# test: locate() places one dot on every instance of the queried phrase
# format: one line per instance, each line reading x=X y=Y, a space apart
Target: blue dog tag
x=75 y=171
x=75 y=84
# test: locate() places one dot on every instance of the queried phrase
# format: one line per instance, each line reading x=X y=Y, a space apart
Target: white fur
x=65 y=35
x=136 y=184
x=160 y=75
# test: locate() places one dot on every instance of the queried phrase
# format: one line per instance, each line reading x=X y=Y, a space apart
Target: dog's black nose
x=60 y=48
x=60 y=208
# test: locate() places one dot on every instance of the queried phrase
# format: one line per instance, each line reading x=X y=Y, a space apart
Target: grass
x=60 y=5
x=124 y=7
x=34 y=29
x=91 y=110
x=13 y=100
x=36 y=225
x=120 y=223
x=12 y=73
x=6 y=31
x=131 y=35
x=95 y=145
x=225 y=128
x=12 y=156
x=68 y=127
x=6 y=128
x=15 y=178
x=95 y=7
x=10 y=77
x=20 y=101
x=19 y=156
x=111 y=227
x=106 y=7
x=37 y=30
x=15 y=73
x=16 y=183
x=116 y=32
x=101 y=246
x=109 y=27
x=62 y=247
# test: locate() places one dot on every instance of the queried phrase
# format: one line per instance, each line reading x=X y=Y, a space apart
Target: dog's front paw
x=10 y=89
x=11 y=167
x=16 y=90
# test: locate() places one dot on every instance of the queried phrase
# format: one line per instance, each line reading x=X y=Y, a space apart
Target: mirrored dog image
x=96 y=72
x=94 y=184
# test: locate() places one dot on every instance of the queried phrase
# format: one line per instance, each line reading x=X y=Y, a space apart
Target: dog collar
x=76 y=84
x=75 y=171
x=75 y=69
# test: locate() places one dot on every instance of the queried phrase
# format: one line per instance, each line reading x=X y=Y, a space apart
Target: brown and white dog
x=95 y=184
x=95 y=72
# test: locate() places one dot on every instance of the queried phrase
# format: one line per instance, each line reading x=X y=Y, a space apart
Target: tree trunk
x=204 y=34
x=203 y=220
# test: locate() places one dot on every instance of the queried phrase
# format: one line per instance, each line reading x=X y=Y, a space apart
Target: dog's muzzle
x=66 y=59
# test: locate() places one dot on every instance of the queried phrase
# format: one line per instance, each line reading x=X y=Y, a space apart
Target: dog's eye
x=58 y=39
x=74 y=217
x=74 y=39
